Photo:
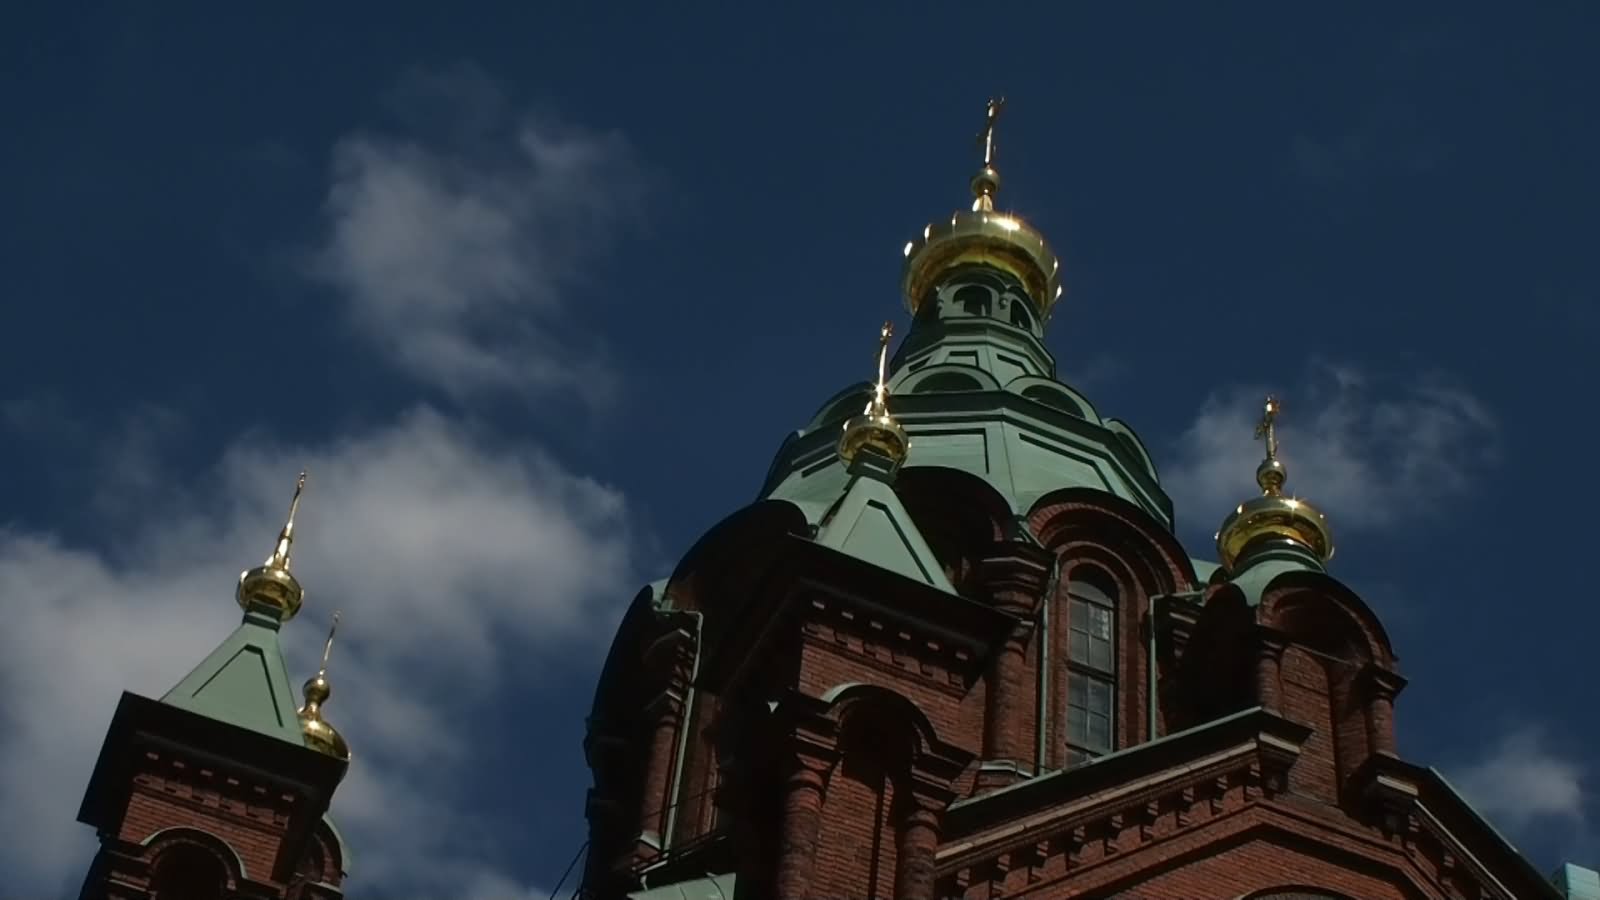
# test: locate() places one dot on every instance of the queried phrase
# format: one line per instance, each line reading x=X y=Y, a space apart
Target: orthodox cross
x=987 y=136
x=880 y=395
x=1267 y=428
x=327 y=648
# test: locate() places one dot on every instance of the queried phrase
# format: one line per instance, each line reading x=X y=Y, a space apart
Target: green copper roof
x=712 y=887
x=976 y=390
x=870 y=524
x=244 y=682
x=1578 y=883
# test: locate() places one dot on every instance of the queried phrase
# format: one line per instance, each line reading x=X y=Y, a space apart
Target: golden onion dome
x=983 y=236
x=319 y=735
x=876 y=428
x=1272 y=515
x=270 y=585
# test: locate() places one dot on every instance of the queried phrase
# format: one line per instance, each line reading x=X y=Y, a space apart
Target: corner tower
x=220 y=789
x=954 y=649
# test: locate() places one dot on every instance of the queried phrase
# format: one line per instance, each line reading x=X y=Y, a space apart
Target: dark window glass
x=1092 y=668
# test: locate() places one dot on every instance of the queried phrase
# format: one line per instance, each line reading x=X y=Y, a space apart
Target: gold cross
x=880 y=395
x=1267 y=428
x=987 y=135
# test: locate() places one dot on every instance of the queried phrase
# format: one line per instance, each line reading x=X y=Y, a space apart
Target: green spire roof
x=244 y=682
x=871 y=524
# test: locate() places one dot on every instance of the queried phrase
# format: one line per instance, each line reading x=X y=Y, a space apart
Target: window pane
x=1099 y=696
x=1099 y=655
x=1077 y=725
x=1099 y=732
x=1076 y=757
x=1099 y=621
x=1077 y=690
x=1078 y=646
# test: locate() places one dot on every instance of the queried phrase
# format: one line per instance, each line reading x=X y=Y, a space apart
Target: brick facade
x=193 y=809
x=852 y=733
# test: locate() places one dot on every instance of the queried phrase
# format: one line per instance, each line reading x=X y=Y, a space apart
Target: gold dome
x=875 y=427
x=319 y=735
x=270 y=585
x=985 y=237
x=1272 y=515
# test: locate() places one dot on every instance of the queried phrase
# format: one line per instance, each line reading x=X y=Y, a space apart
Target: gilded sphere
x=986 y=182
x=1270 y=475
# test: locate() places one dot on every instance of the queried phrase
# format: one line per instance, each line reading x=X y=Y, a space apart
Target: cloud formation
x=1523 y=780
x=446 y=551
x=454 y=255
x=1371 y=451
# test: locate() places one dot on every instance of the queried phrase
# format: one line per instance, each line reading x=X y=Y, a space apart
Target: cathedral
x=953 y=650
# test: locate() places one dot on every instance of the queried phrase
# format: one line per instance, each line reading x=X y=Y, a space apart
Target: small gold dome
x=881 y=433
x=273 y=588
x=320 y=735
x=1267 y=516
x=1272 y=515
x=985 y=237
x=875 y=427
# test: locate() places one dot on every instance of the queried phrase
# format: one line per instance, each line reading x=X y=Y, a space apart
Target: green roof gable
x=870 y=524
x=244 y=682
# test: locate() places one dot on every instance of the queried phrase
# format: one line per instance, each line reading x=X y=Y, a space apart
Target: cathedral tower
x=220 y=789
x=955 y=649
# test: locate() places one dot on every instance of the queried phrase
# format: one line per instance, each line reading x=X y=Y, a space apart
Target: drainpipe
x=1042 y=714
x=1150 y=657
x=683 y=733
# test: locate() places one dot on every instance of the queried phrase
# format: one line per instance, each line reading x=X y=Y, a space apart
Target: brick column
x=1379 y=687
x=917 y=840
x=1268 y=649
x=801 y=810
x=1016 y=578
x=669 y=658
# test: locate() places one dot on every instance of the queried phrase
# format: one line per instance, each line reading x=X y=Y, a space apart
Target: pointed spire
x=987 y=181
x=1273 y=515
x=270 y=587
x=876 y=427
x=319 y=735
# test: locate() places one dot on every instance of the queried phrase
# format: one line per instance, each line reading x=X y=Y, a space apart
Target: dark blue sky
x=1367 y=210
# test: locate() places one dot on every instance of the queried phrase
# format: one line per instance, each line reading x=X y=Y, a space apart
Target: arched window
x=1091 y=665
x=188 y=872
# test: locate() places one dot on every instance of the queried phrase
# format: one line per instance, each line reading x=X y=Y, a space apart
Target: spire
x=270 y=587
x=876 y=428
x=1272 y=515
x=319 y=735
x=983 y=237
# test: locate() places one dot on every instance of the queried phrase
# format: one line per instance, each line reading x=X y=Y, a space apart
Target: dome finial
x=987 y=181
x=1272 y=514
x=270 y=586
x=876 y=427
x=319 y=735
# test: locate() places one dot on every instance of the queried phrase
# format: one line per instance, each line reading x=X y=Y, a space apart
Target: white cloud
x=1522 y=779
x=447 y=552
x=1371 y=452
x=454 y=255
